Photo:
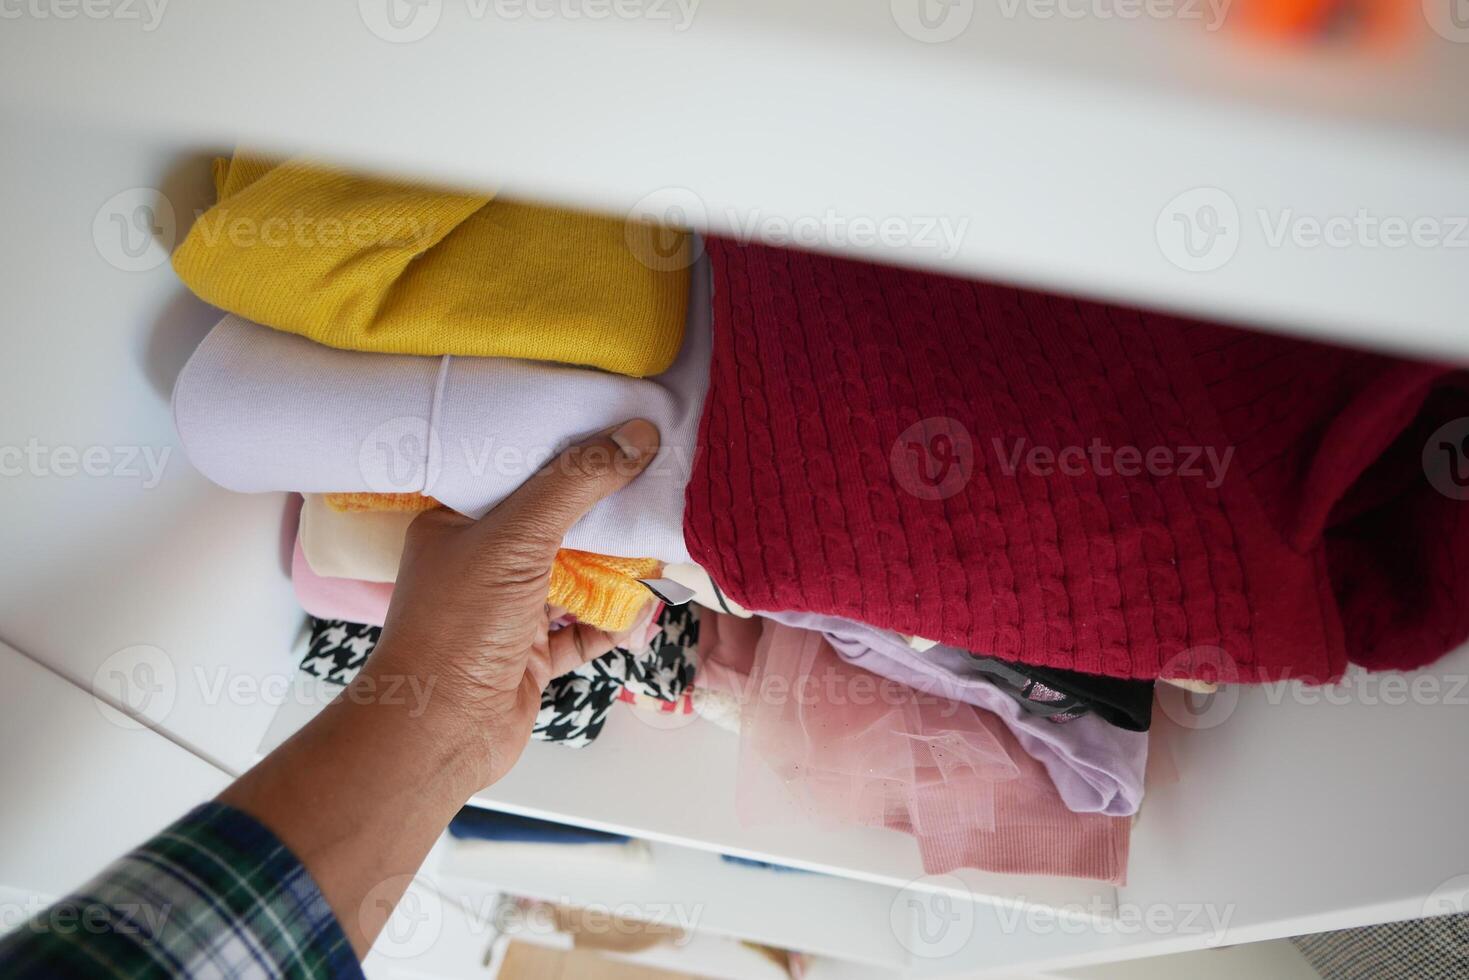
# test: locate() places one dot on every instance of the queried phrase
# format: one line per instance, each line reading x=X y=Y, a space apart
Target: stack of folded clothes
x=942 y=538
x=390 y=348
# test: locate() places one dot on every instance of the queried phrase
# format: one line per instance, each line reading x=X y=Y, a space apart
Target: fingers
x=562 y=491
x=427 y=526
x=570 y=647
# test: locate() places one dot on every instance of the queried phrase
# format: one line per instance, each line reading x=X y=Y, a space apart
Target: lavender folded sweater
x=262 y=410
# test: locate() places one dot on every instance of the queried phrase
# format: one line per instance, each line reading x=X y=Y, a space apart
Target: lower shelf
x=697 y=892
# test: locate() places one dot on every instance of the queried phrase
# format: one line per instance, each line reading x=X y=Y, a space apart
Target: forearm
x=363 y=791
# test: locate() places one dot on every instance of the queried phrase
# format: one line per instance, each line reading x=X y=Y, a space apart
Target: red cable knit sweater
x=1071 y=484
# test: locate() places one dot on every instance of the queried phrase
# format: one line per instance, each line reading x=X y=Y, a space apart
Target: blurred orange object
x=1368 y=23
x=1284 y=18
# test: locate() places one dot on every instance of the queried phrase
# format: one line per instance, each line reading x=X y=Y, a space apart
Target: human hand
x=469 y=607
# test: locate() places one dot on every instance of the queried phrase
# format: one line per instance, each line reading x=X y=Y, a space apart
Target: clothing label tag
x=671 y=592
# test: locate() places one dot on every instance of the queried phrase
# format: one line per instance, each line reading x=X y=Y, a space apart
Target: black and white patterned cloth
x=339 y=649
x=574 y=706
x=1418 y=949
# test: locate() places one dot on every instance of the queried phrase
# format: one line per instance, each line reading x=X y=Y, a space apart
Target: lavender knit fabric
x=261 y=410
x=1097 y=767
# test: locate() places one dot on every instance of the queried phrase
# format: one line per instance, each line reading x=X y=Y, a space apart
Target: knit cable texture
x=1070 y=484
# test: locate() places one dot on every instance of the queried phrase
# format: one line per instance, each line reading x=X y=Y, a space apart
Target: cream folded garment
x=259 y=410
x=366 y=545
x=328 y=597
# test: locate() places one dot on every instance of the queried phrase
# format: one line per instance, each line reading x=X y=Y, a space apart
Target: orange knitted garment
x=599 y=590
x=359 y=503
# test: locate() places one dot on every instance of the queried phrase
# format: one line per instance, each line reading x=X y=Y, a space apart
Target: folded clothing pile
x=390 y=347
x=441 y=345
x=941 y=537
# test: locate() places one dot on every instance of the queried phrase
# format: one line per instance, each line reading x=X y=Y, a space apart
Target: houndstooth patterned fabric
x=339 y=649
x=1419 y=949
x=574 y=706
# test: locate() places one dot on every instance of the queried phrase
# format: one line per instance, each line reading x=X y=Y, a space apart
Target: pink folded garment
x=338 y=598
x=846 y=746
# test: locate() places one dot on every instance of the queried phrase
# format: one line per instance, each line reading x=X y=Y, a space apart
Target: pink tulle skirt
x=824 y=741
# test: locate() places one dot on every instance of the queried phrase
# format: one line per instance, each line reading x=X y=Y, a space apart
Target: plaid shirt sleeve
x=216 y=895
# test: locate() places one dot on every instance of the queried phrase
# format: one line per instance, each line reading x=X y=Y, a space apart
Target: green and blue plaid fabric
x=216 y=895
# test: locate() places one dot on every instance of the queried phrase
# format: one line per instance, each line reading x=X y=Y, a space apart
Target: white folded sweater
x=262 y=410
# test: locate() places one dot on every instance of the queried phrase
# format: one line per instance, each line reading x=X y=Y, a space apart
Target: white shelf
x=605 y=786
x=707 y=955
x=589 y=787
x=788 y=910
x=68 y=761
x=1058 y=143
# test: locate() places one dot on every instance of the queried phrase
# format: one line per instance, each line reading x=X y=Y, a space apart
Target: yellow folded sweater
x=394 y=267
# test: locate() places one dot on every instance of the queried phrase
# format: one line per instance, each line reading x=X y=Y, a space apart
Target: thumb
x=561 y=492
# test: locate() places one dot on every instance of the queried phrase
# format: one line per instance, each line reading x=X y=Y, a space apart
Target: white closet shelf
x=704 y=954
x=1329 y=783
x=687 y=798
x=677 y=788
x=1055 y=147
x=680 y=885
